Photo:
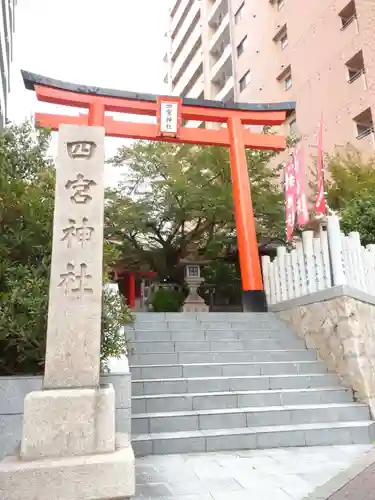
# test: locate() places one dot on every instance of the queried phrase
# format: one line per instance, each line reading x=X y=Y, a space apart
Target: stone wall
x=340 y=324
x=14 y=389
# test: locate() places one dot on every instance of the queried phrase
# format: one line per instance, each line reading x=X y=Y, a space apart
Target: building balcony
x=187 y=53
x=221 y=34
x=188 y=26
x=197 y=90
x=227 y=92
x=190 y=75
x=178 y=14
x=223 y=64
x=217 y=12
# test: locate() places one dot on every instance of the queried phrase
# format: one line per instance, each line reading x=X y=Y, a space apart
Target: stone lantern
x=193 y=302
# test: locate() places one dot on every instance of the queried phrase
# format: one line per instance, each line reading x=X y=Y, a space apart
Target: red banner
x=320 y=202
x=299 y=172
x=290 y=199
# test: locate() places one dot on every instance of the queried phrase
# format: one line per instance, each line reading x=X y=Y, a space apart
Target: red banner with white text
x=320 y=202
x=290 y=199
x=299 y=172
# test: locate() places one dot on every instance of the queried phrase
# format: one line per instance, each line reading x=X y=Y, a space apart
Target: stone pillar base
x=68 y=422
x=195 y=306
x=106 y=476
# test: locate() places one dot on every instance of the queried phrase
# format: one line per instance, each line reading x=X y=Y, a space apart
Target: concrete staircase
x=227 y=381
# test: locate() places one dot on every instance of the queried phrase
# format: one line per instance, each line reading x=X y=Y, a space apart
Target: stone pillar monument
x=68 y=449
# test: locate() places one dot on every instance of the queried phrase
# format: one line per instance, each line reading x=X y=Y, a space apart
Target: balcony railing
x=356 y=75
x=368 y=131
x=225 y=92
x=220 y=7
x=348 y=21
x=219 y=33
x=189 y=24
x=217 y=67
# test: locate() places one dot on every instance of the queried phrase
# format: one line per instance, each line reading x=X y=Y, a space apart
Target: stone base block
x=195 y=307
x=68 y=422
x=95 y=477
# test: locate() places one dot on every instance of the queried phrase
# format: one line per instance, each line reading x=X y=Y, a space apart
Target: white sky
x=118 y=44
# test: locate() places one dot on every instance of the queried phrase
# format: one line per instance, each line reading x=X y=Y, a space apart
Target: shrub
x=167 y=300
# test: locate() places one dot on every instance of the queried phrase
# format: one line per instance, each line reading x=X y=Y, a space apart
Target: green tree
x=26 y=213
x=349 y=175
x=359 y=215
x=176 y=200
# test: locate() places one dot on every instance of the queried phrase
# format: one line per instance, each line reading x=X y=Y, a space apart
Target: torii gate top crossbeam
x=99 y=100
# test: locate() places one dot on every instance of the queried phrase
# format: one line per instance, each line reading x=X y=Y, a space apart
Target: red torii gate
x=235 y=136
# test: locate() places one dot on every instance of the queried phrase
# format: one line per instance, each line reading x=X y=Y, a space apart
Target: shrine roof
x=32 y=79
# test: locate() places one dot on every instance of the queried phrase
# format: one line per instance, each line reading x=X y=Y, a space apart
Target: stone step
x=141 y=347
x=206 y=325
x=148 y=317
x=227 y=369
x=173 y=358
x=155 y=403
x=230 y=418
x=318 y=434
x=239 y=383
x=199 y=334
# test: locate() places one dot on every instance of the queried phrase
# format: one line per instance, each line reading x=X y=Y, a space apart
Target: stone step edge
x=181 y=379
x=234 y=363
x=251 y=430
x=268 y=339
x=250 y=409
x=239 y=393
x=228 y=352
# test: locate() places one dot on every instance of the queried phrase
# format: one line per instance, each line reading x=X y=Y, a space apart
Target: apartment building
x=319 y=53
x=7 y=8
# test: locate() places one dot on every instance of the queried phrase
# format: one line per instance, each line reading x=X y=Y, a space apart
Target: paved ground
x=280 y=474
x=361 y=487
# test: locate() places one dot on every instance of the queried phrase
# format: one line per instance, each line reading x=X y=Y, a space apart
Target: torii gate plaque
x=235 y=136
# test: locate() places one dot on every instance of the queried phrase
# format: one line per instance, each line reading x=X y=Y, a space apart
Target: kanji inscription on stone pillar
x=75 y=299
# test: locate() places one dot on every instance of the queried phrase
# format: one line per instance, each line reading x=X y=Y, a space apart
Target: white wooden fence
x=317 y=263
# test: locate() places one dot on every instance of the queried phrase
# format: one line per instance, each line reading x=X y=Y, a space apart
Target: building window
x=238 y=15
x=293 y=127
x=284 y=41
x=364 y=124
x=348 y=15
x=241 y=46
x=280 y=4
x=355 y=67
x=245 y=80
x=288 y=82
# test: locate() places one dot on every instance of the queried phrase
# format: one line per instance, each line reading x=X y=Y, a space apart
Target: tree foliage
x=359 y=215
x=351 y=192
x=176 y=200
x=26 y=213
x=349 y=175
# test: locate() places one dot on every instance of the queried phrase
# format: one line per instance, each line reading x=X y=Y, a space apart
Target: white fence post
x=266 y=261
x=307 y=240
x=359 y=271
x=277 y=278
x=273 y=299
x=301 y=268
x=318 y=261
x=325 y=257
x=289 y=276
x=295 y=272
x=336 y=251
x=281 y=251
